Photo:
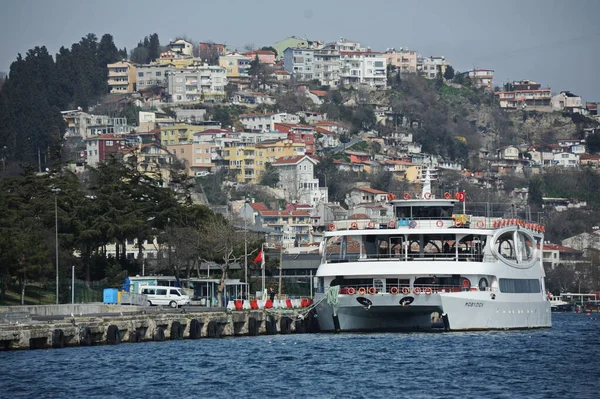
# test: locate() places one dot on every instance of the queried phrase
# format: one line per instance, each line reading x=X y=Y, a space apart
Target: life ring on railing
x=372 y=290
x=394 y=290
x=427 y=195
x=391 y=224
x=362 y=291
x=331 y=226
x=428 y=291
x=412 y=224
x=417 y=290
x=480 y=224
x=405 y=290
x=354 y=226
x=543 y=229
x=439 y=223
x=371 y=225
x=351 y=291
x=447 y=195
x=406 y=196
x=457 y=223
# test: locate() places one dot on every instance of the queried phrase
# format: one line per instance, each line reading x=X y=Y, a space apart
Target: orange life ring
x=480 y=224
x=351 y=291
x=447 y=195
x=371 y=225
x=372 y=290
x=405 y=290
x=354 y=226
x=457 y=223
x=428 y=291
x=394 y=290
x=543 y=229
x=331 y=226
x=391 y=224
x=362 y=291
x=417 y=290
x=412 y=224
x=406 y=196
x=439 y=223
x=427 y=196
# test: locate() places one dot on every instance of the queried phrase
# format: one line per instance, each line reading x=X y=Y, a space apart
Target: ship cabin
x=429 y=230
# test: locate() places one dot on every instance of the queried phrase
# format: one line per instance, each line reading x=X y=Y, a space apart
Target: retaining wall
x=115 y=329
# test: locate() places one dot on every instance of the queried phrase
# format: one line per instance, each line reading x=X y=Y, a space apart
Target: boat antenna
x=427 y=184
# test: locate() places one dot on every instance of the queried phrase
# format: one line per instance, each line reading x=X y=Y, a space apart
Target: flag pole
x=262 y=249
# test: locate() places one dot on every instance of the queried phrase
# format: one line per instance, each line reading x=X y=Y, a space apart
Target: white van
x=160 y=295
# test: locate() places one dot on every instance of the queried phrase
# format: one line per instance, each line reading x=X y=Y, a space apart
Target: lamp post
x=56 y=191
x=246 y=251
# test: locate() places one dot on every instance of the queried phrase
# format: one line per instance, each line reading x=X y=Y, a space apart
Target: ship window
x=519 y=286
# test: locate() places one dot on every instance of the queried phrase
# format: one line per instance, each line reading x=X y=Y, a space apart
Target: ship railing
x=406 y=289
x=412 y=257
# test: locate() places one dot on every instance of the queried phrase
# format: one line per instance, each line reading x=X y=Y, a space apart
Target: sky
x=553 y=42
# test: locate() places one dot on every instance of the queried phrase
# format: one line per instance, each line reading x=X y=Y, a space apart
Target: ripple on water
x=497 y=364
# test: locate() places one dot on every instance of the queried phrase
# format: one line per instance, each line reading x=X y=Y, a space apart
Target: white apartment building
x=195 y=84
x=299 y=62
x=566 y=159
x=363 y=68
x=181 y=46
x=297 y=180
x=266 y=122
x=430 y=67
x=153 y=75
x=327 y=66
x=347 y=45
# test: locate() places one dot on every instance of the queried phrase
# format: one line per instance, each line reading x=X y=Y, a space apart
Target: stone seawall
x=118 y=328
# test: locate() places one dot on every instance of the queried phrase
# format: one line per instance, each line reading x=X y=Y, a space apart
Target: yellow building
x=236 y=65
x=404 y=170
x=121 y=77
x=248 y=162
x=179 y=133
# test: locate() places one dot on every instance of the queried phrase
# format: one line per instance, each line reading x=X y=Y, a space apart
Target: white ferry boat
x=429 y=267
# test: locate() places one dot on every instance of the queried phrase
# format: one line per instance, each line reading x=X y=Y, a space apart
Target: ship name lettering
x=474 y=304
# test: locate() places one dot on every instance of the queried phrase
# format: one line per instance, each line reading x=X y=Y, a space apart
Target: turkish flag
x=460 y=196
x=260 y=258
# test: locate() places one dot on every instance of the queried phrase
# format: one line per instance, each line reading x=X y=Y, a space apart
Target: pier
x=51 y=328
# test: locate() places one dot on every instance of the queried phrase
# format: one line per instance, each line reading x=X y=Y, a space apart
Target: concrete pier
x=144 y=325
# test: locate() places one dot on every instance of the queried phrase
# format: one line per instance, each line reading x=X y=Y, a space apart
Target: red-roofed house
x=250 y=210
x=592 y=160
x=555 y=254
x=360 y=195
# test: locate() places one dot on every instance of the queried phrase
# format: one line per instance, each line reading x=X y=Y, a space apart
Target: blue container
x=111 y=295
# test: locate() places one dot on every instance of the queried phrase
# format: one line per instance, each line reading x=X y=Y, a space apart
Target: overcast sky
x=554 y=42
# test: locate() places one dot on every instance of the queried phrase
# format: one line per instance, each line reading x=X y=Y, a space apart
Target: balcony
x=117 y=74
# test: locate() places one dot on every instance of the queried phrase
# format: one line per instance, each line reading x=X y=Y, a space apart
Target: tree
x=449 y=73
x=270 y=177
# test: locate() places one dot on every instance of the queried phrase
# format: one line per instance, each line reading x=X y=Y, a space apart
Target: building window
x=141 y=74
x=109 y=143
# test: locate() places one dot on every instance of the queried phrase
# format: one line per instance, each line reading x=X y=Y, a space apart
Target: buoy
x=447 y=195
x=439 y=223
x=427 y=196
x=354 y=226
x=406 y=196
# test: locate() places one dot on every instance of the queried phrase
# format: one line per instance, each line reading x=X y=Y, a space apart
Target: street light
x=246 y=251
x=56 y=191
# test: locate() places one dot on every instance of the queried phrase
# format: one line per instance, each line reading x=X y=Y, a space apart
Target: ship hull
x=462 y=311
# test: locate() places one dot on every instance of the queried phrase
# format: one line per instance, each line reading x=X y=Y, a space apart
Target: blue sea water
x=561 y=362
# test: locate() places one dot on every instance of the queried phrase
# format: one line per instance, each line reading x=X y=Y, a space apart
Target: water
x=562 y=362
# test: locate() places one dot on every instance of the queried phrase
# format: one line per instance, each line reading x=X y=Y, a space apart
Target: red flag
x=460 y=196
x=260 y=258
